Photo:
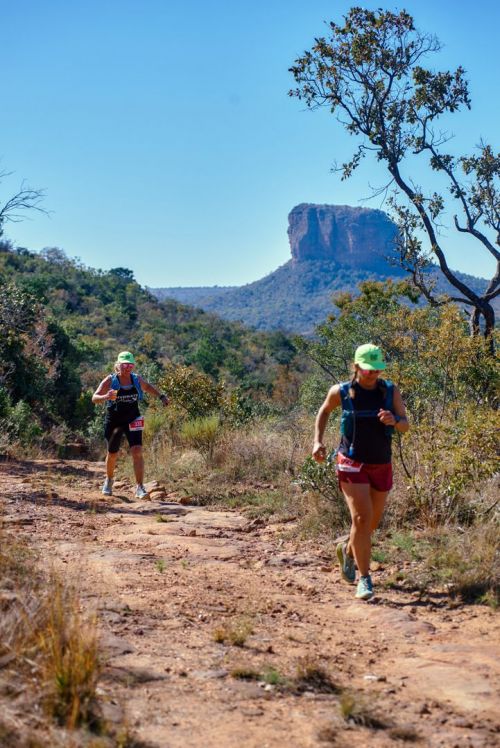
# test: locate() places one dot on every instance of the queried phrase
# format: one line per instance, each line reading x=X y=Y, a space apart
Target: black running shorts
x=113 y=435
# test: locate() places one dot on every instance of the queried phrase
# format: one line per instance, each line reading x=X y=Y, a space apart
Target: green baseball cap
x=125 y=357
x=369 y=356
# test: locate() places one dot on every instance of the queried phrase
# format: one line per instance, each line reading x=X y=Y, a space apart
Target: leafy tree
x=368 y=72
x=209 y=355
x=195 y=393
x=124 y=273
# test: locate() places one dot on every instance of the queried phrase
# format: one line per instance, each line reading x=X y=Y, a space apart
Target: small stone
x=252 y=712
x=210 y=674
x=462 y=722
x=112 y=713
x=18 y=520
x=157 y=494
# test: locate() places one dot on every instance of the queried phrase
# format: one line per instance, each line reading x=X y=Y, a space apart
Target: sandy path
x=163 y=588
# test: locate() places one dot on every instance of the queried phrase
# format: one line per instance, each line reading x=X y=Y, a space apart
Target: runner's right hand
x=112 y=394
x=319 y=452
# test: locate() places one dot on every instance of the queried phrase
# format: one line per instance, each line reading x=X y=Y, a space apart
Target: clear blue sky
x=164 y=137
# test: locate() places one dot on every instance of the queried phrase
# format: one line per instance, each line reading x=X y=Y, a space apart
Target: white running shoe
x=107 y=489
x=140 y=492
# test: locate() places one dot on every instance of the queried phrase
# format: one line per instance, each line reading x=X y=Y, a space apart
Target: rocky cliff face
x=358 y=238
x=334 y=248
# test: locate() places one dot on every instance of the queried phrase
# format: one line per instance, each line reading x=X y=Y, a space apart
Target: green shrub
x=202 y=433
x=19 y=424
x=195 y=393
x=445 y=461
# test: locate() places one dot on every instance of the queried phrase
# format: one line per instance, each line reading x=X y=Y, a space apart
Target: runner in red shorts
x=372 y=408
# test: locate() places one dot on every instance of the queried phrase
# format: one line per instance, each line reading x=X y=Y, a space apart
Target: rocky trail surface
x=222 y=631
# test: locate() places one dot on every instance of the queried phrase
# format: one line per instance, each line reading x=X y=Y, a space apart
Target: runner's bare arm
x=102 y=393
x=332 y=401
x=153 y=391
x=402 y=424
x=396 y=417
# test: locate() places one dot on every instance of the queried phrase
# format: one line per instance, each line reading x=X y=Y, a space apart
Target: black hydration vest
x=125 y=408
x=363 y=437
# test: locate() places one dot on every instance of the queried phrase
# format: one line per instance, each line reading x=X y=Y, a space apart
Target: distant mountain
x=334 y=248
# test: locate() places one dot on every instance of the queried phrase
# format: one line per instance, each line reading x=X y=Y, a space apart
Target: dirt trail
x=426 y=671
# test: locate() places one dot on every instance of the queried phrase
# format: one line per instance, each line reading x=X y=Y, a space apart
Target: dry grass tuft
x=234 y=632
x=242 y=672
x=312 y=676
x=49 y=651
x=69 y=667
x=356 y=710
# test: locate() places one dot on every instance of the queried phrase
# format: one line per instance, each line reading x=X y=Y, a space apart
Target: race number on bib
x=137 y=425
x=346 y=465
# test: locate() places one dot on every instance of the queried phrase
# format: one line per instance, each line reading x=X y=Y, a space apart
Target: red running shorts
x=378 y=477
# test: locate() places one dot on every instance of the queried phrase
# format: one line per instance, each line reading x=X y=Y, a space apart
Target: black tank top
x=125 y=408
x=370 y=442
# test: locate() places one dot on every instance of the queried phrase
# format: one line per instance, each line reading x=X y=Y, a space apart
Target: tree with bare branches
x=368 y=72
x=24 y=200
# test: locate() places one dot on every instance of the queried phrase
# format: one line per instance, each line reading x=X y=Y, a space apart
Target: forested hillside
x=63 y=324
x=297 y=296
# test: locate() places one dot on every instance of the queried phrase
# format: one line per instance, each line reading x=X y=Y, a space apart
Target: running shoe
x=365 y=588
x=107 y=488
x=140 y=492
x=346 y=562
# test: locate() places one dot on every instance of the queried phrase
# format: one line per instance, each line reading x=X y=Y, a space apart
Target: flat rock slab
x=467 y=682
x=206 y=548
x=114 y=646
x=389 y=619
x=284 y=559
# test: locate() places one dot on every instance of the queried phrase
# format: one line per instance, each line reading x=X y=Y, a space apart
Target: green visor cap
x=370 y=357
x=125 y=357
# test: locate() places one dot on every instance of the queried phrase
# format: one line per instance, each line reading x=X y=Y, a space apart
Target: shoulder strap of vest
x=388 y=402
x=389 y=394
x=137 y=384
x=345 y=397
x=115 y=383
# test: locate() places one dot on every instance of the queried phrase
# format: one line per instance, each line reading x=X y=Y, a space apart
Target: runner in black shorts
x=121 y=391
x=364 y=466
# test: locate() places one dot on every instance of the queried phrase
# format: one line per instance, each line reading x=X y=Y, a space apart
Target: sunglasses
x=127 y=366
x=366 y=372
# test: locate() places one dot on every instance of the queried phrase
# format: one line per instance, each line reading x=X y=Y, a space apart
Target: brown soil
x=406 y=669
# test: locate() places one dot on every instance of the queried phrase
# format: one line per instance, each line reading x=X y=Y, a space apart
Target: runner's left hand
x=386 y=417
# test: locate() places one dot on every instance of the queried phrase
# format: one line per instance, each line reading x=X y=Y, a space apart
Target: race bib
x=137 y=425
x=346 y=465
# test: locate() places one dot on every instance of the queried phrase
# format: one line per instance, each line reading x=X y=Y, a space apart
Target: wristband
x=163 y=398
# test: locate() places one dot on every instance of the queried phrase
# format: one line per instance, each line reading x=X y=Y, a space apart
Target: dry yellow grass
x=49 y=650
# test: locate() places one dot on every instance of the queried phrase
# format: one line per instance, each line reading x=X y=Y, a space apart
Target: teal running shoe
x=107 y=489
x=365 y=588
x=346 y=562
x=140 y=492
